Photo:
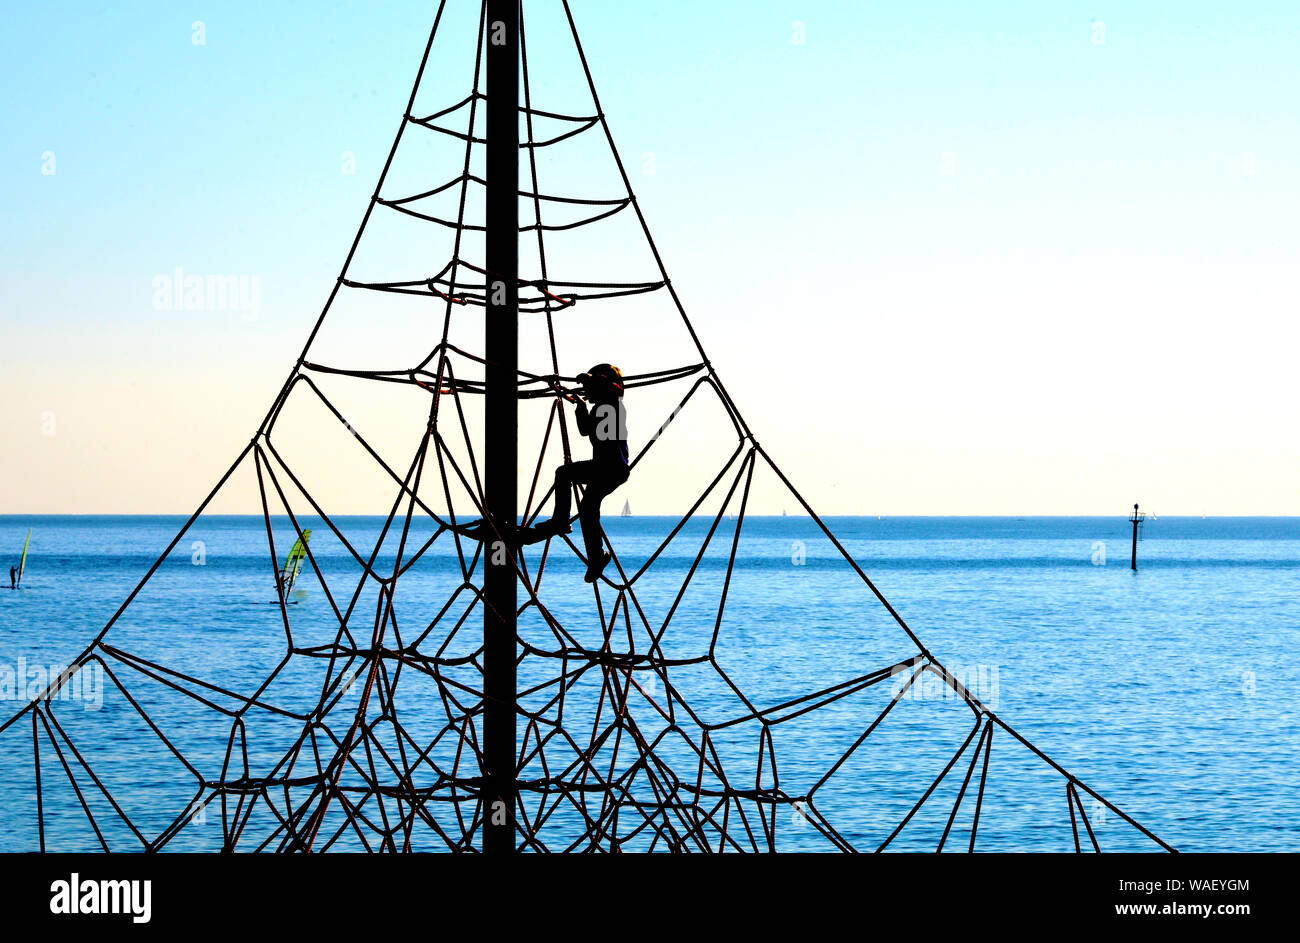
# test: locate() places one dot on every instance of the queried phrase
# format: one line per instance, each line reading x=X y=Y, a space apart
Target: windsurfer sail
x=293 y=563
x=22 y=562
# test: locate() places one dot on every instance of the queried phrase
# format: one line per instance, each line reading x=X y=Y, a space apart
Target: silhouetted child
x=605 y=424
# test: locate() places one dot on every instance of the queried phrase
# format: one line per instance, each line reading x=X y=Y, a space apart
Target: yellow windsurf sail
x=293 y=562
x=22 y=564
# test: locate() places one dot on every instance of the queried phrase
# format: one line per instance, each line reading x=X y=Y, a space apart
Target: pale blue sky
x=964 y=216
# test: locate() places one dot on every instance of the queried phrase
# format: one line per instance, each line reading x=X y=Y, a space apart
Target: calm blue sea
x=1175 y=691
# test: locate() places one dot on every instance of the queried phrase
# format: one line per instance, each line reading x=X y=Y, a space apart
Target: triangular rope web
x=658 y=709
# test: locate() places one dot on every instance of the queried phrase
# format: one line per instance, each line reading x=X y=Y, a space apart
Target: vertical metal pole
x=1134 y=559
x=500 y=585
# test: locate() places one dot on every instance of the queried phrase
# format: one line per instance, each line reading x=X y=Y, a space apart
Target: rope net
x=658 y=709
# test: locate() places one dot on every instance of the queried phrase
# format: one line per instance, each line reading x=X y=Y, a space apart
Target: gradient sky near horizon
x=950 y=258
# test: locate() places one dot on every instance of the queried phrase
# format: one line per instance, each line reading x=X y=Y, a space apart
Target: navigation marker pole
x=501 y=411
x=1137 y=519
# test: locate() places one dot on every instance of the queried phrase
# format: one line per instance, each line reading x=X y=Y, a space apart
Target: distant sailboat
x=293 y=562
x=22 y=563
x=627 y=509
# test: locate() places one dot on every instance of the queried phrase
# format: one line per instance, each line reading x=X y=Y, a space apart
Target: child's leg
x=566 y=476
x=589 y=517
x=602 y=483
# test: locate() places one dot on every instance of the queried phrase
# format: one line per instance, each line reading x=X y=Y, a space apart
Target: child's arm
x=583 y=419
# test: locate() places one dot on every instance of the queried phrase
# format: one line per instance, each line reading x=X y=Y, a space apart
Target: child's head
x=602 y=382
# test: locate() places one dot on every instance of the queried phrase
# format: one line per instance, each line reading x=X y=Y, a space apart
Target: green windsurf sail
x=293 y=562
x=22 y=563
